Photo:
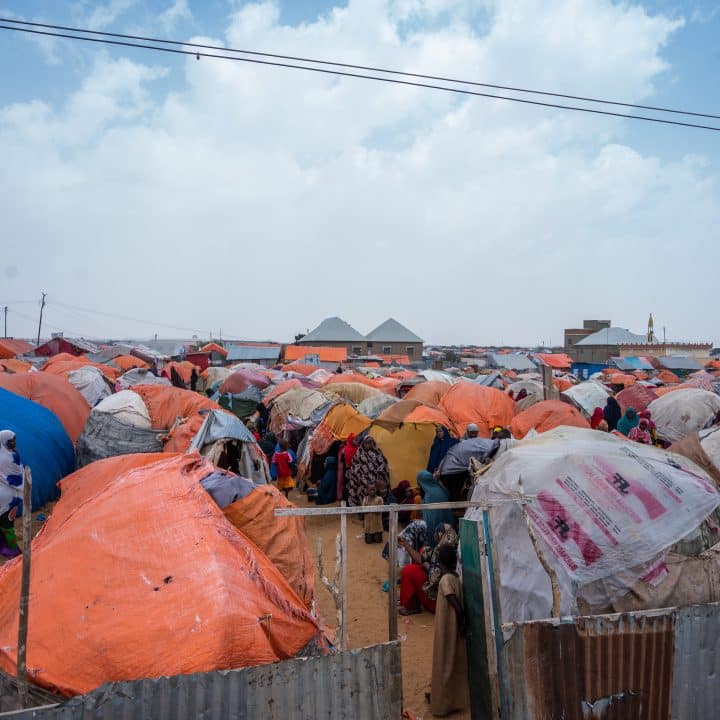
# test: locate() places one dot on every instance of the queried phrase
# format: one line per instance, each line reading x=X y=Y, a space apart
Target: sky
x=149 y=193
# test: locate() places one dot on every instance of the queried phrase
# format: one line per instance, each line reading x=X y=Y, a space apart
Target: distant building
x=266 y=355
x=598 y=346
x=390 y=339
x=58 y=343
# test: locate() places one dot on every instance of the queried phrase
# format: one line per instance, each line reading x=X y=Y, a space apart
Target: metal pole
x=24 y=591
x=5 y=309
x=42 y=307
x=392 y=590
x=343 y=570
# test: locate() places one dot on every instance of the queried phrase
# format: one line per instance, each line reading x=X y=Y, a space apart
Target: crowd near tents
x=157 y=469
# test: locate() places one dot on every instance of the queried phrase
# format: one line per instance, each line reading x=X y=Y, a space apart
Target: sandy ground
x=368 y=606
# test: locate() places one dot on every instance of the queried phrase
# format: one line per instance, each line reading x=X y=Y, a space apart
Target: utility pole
x=5 y=309
x=42 y=307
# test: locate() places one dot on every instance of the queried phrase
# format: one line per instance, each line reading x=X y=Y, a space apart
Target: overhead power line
x=351 y=66
x=342 y=73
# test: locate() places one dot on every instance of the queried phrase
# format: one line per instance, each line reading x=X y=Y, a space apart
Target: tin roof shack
x=58 y=343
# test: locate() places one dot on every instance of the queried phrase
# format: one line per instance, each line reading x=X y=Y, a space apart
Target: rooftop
x=511 y=361
x=392 y=331
x=245 y=353
x=333 y=329
x=613 y=336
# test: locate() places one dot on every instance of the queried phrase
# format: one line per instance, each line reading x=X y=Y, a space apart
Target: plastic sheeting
x=457 y=459
x=351 y=392
x=105 y=436
x=127 y=407
x=54 y=393
x=373 y=406
x=139 y=376
x=637 y=397
x=601 y=507
x=467 y=403
x=167 y=404
x=146 y=578
x=587 y=396
x=429 y=393
x=680 y=413
x=544 y=416
x=42 y=442
x=90 y=383
x=406 y=447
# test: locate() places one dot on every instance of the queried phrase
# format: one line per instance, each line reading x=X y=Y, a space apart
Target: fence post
x=392 y=590
x=343 y=596
x=24 y=590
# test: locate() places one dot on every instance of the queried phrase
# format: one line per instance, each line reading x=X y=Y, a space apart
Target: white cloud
x=106 y=14
x=179 y=11
x=261 y=200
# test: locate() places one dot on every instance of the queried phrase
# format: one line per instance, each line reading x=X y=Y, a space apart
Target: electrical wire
x=340 y=73
x=369 y=68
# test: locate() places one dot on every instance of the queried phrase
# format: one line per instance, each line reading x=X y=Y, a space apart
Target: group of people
x=636 y=426
x=11 y=493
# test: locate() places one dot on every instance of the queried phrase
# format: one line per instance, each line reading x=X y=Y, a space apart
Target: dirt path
x=367 y=607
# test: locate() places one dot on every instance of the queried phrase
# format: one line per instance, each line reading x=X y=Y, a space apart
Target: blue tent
x=42 y=442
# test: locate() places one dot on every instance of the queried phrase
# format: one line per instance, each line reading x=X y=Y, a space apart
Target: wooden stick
x=549 y=569
x=392 y=590
x=24 y=590
x=342 y=558
x=331 y=585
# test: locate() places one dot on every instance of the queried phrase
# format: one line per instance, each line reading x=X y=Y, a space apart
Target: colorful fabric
x=11 y=476
x=369 y=466
x=286 y=482
x=412 y=579
x=597 y=417
x=612 y=413
x=443 y=535
x=628 y=421
x=283 y=463
x=641 y=433
x=349 y=451
x=433 y=492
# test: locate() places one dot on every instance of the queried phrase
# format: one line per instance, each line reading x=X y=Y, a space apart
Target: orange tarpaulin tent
x=430 y=393
x=184 y=370
x=128 y=362
x=15 y=366
x=562 y=384
x=10 y=348
x=546 y=415
x=182 y=435
x=301 y=369
x=387 y=385
x=621 y=379
x=278 y=390
x=559 y=361
x=325 y=354
x=117 y=594
x=214 y=347
x=425 y=414
x=668 y=377
x=487 y=407
x=63 y=363
x=54 y=393
x=166 y=403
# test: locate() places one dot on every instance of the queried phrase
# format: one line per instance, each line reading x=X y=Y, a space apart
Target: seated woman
x=419 y=580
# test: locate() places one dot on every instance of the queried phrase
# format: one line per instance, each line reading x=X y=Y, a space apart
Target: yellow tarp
x=406 y=448
x=342 y=420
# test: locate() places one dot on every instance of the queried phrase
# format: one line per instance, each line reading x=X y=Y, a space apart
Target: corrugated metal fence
x=652 y=665
x=364 y=683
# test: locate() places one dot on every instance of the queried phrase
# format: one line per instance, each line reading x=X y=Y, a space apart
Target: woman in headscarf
x=441 y=444
x=597 y=417
x=641 y=433
x=628 y=421
x=327 y=488
x=612 y=413
x=419 y=580
x=433 y=492
x=346 y=455
x=652 y=428
x=11 y=488
x=404 y=495
x=368 y=466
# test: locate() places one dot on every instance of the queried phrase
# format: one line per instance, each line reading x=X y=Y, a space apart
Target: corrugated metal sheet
x=364 y=683
x=652 y=665
x=511 y=361
x=695 y=687
x=632 y=363
x=244 y=353
x=679 y=362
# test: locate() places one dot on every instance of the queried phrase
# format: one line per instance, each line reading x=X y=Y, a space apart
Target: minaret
x=651 y=330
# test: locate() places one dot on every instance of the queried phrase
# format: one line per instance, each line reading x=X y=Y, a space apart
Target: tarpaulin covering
x=140 y=376
x=425 y=414
x=126 y=406
x=180 y=438
x=534 y=392
x=282 y=539
x=559 y=361
x=241 y=380
x=387 y=385
x=373 y=406
x=90 y=383
x=544 y=416
x=667 y=377
x=42 y=442
x=279 y=389
x=300 y=368
x=601 y=507
x=562 y=384
x=397 y=412
x=487 y=407
x=406 y=447
x=300 y=403
x=457 y=459
x=341 y=420
x=10 y=348
x=15 y=366
x=54 y=393
x=680 y=413
x=637 y=397
x=184 y=370
x=166 y=404
x=429 y=393
x=63 y=367
x=147 y=578
x=213 y=376
x=351 y=392
x=128 y=362
x=620 y=379
x=587 y=396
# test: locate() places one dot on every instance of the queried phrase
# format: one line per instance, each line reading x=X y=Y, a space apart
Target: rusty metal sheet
x=696 y=679
x=609 y=667
x=364 y=683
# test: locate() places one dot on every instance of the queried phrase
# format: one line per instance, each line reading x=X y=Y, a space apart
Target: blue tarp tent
x=42 y=442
